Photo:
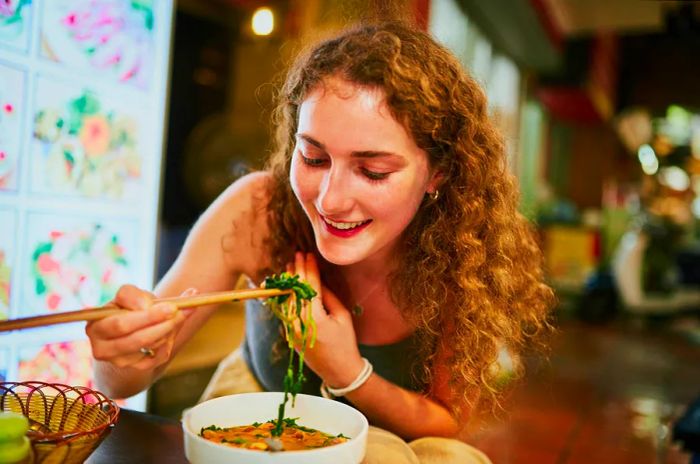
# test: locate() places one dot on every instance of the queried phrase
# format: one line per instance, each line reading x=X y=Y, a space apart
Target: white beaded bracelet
x=329 y=392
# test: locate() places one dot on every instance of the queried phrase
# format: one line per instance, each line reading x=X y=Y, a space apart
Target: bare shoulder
x=248 y=196
x=240 y=216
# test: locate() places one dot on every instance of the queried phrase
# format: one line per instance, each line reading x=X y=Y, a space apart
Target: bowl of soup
x=239 y=429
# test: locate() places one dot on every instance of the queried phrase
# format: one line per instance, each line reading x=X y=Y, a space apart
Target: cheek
x=398 y=209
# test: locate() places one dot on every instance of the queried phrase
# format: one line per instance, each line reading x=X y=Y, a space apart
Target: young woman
x=388 y=192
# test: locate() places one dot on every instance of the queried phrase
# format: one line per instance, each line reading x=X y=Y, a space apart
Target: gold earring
x=434 y=196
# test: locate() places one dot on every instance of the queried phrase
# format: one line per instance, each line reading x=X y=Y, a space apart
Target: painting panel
x=85 y=144
x=15 y=24
x=108 y=38
x=75 y=262
x=67 y=362
x=12 y=108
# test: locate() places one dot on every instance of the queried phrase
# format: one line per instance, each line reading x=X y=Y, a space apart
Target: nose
x=335 y=193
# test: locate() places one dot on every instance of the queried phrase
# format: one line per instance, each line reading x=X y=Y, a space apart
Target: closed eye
x=313 y=162
x=373 y=175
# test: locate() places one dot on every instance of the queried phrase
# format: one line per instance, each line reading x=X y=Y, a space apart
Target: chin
x=337 y=256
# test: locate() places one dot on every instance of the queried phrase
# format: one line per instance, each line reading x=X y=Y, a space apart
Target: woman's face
x=356 y=172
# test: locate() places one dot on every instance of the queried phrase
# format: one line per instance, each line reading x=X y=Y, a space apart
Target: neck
x=358 y=283
x=369 y=270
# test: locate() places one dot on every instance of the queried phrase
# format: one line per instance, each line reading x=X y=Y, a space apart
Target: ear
x=436 y=179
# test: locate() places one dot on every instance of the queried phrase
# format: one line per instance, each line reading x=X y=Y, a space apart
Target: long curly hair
x=469 y=274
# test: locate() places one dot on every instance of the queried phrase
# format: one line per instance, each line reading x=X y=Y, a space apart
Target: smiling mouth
x=345 y=225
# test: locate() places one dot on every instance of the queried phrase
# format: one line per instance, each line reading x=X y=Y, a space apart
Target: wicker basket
x=78 y=418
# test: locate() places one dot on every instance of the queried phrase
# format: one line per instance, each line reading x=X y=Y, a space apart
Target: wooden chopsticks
x=91 y=314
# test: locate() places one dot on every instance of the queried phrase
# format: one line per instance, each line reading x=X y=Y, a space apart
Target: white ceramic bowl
x=313 y=411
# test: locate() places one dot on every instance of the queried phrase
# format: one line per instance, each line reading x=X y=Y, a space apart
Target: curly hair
x=469 y=267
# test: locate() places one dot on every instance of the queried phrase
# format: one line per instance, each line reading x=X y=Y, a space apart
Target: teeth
x=344 y=225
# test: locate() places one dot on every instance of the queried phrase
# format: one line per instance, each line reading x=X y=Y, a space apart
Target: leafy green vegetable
x=237 y=440
x=288 y=310
x=213 y=428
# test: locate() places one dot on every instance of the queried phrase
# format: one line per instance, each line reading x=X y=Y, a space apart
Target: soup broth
x=293 y=437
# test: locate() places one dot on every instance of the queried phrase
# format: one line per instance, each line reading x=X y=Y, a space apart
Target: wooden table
x=140 y=438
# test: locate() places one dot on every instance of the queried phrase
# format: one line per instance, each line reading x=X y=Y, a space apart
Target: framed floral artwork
x=57 y=362
x=75 y=262
x=15 y=24
x=83 y=100
x=85 y=143
x=12 y=107
x=113 y=38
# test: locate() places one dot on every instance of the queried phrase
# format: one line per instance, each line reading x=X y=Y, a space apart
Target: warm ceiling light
x=263 y=21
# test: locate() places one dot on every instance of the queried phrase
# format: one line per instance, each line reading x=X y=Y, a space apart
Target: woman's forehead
x=371 y=96
x=345 y=117
x=369 y=99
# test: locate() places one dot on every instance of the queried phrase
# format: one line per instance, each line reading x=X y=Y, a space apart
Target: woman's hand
x=335 y=356
x=142 y=338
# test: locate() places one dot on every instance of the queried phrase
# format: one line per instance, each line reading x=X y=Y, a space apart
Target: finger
x=151 y=336
x=294 y=301
x=143 y=362
x=300 y=269
x=125 y=352
x=300 y=265
x=146 y=363
x=313 y=276
x=133 y=298
x=128 y=359
x=189 y=292
x=290 y=268
x=123 y=324
x=332 y=304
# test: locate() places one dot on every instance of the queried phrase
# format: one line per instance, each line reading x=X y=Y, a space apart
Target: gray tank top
x=267 y=358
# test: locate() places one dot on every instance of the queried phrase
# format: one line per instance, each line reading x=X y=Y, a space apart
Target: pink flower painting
x=11 y=109
x=77 y=268
x=113 y=37
x=66 y=362
x=14 y=23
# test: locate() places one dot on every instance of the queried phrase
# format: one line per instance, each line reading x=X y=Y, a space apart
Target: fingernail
x=189 y=292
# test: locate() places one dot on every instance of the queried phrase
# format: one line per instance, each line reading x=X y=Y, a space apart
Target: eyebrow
x=355 y=154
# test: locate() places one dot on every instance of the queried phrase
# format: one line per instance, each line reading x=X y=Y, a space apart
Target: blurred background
x=599 y=103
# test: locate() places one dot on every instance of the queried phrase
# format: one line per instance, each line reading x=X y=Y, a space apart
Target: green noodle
x=282 y=307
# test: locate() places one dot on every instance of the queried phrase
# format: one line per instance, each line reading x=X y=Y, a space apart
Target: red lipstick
x=345 y=233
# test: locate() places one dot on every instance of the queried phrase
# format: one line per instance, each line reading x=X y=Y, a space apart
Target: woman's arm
x=336 y=358
x=203 y=265
x=408 y=414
